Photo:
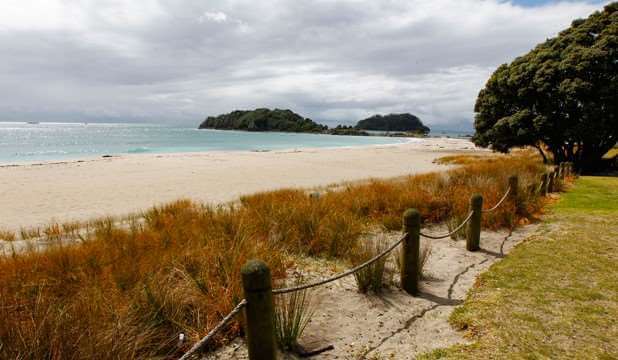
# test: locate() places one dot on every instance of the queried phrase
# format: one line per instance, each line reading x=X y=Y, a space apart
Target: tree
x=562 y=96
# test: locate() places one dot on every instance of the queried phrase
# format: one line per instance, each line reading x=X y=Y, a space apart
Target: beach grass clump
x=423 y=257
x=460 y=159
x=29 y=233
x=373 y=277
x=293 y=311
x=128 y=288
x=7 y=235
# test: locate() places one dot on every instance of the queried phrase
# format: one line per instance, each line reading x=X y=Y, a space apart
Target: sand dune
x=38 y=193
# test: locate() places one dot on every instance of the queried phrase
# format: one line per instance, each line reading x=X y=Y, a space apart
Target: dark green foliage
x=562 y=95
x=347 y=130
x=263 y=120
x=393 y=122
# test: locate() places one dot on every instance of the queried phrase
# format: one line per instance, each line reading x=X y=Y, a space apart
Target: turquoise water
x=22 y=142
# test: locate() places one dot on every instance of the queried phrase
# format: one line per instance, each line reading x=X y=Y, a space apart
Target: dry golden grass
x=7 y=235
x=459 y=159
x=128 y=289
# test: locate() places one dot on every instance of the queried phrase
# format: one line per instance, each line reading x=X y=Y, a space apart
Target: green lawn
x=556 y=295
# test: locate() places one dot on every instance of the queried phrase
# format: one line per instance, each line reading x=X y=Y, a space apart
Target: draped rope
x=343 y=274
x=499 y=202
x=436 y=237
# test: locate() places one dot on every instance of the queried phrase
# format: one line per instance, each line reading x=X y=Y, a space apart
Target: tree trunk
x=542 y=153
x=589 y=159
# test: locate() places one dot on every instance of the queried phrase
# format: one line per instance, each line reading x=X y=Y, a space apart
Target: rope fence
x=341 y=275
x=258 y=303
x=437 y=237
x=508 y=191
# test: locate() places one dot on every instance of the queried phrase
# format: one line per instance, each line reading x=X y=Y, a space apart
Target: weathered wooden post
x=259 y=311
x=572 y=170
x=556 y=172
x=410 y=251
x=514 y=186
x=473 y=239
x=562 y=170
x=514 y=191
x=544 y=184
x=550 y=182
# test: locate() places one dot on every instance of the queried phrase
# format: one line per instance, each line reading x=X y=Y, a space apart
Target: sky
x=178 y=61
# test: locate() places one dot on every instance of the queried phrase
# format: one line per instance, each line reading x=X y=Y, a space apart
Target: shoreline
x=193 y=153
x=80 y=157
x=37 y=194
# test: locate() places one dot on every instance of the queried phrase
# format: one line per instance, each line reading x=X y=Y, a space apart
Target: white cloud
x=180 y=60
x=213 y=16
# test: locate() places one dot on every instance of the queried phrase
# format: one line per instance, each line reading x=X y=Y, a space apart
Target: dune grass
x=556 y=295
x=293 y=311
x=7 y=235
x=128 y=289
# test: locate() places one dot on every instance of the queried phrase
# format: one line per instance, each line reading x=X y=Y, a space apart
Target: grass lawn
x=556 y=295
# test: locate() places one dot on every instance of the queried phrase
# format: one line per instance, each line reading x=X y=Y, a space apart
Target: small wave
x=42 y=152
x=139 y=150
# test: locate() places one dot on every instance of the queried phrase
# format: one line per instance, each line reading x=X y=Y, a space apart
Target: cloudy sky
x=333 y=61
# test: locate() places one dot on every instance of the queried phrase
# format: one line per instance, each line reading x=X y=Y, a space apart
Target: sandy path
x=396 y=325
x=36 y=194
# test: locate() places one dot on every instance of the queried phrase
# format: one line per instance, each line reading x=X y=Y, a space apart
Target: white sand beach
x=35 y=194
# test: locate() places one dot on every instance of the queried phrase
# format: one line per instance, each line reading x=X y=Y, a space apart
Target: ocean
x=28 y=143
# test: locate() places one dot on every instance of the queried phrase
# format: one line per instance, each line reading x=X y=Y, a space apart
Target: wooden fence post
x=514 y=186
x=410 y=251
x=544 y=184
x=259 y=311
x=473 y=239
x=550 y=182
x=562 y=170
x=514 y=192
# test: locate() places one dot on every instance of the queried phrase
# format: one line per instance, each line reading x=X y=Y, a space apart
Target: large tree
x=561 y=96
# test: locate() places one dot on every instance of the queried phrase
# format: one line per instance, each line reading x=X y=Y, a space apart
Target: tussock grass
x=126 y=289
x=7 y=235
x=29 y=233
x=371 y=277
x=460 y=159
x=293 y=311
x=423 y=257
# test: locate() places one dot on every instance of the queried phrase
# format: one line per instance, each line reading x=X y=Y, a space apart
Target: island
x=285 y=120
x=263 y=120
x=401 y=123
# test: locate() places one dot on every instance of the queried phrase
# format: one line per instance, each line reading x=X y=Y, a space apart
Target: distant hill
x=394 y=122
x=263 y=120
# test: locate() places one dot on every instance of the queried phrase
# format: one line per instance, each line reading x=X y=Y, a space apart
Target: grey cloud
x=332 y=61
